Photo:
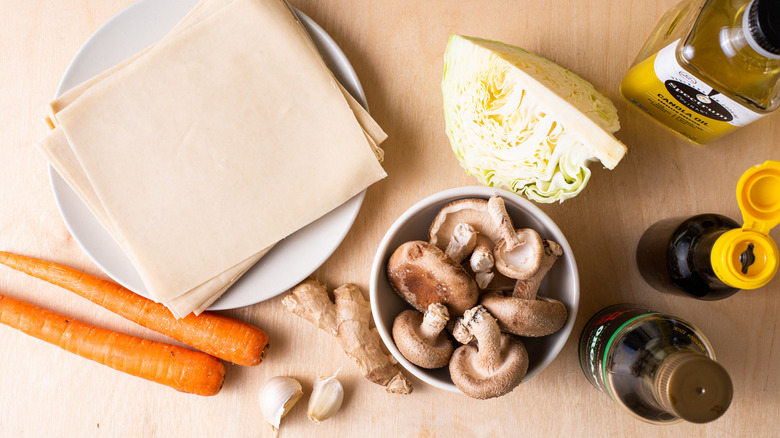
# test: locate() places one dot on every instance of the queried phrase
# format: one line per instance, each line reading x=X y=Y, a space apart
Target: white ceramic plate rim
x=464 y=192
x=288 y=262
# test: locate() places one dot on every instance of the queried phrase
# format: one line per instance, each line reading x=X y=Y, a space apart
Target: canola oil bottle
x=709 y=67
x=709 y=256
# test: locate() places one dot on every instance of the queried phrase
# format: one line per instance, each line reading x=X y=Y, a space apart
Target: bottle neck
x=738 y=40
x=750 y=30
x=702 y=257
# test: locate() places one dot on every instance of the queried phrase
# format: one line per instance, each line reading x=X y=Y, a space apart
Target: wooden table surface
x=396 y=48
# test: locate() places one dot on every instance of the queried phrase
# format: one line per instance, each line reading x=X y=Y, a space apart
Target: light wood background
x=396 y=48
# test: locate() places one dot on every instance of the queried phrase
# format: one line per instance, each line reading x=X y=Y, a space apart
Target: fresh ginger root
x=348 y=320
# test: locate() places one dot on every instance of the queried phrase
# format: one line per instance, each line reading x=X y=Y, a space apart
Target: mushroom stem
x=485 y=329
x=482 y=261
x=528 y=288
x=497 y=210
x=434 y=321
x=494 y=366
x=483 y=279
x=459 y=331
x=462 y=242
x=482 y=258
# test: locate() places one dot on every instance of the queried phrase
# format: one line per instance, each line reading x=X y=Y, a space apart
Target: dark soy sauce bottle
x=711 y=257
x=673 y=256
x=658 y=367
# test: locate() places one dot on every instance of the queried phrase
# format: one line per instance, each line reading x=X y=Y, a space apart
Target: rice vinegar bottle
x=658 y=367
x=709 y=256
x=709 y=67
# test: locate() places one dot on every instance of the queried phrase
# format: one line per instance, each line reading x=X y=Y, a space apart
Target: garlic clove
x=326 y=398
x=277 y=396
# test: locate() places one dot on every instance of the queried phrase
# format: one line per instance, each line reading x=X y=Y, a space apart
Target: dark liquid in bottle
x=674 y=256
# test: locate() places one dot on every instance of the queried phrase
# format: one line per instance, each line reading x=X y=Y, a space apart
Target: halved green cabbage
x=522 y=122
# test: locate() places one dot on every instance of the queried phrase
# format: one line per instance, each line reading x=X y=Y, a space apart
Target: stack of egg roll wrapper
x=201 y=152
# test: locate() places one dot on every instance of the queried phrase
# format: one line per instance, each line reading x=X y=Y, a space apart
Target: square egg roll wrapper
x=199 y=298
x=216 y=142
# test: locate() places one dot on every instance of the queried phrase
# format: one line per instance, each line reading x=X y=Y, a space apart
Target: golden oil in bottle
x=709 y=67
x=658 y=367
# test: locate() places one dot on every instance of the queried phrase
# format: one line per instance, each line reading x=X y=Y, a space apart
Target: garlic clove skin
x=277 y=396
x=326 y=398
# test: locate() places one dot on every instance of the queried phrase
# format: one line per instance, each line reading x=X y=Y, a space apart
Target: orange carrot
x=226 y=338
x=181 y=369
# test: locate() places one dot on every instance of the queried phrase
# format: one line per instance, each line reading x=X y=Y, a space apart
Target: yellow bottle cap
x=747 y=258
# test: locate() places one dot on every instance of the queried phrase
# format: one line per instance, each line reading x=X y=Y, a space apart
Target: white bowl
x=561 y=283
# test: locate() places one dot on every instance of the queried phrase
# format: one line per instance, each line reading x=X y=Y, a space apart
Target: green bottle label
x=601 y=332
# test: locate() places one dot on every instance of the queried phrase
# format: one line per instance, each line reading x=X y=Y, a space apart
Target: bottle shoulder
x=689 y=231
x=661 y=333
x=706 y=223
x=673 y=25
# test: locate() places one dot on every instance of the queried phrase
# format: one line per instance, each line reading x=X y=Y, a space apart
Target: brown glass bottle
x=710 y=256
x=674 y=256
x=657 y=367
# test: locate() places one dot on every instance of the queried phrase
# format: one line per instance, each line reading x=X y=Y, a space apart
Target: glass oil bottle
x=709 y=67
x=657 y=367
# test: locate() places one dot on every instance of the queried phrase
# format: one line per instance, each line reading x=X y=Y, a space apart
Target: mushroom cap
x=523 y=260
x=422 y=274
x=530 y=318
x=476 y=382
x=425 y=353
x=472 y=211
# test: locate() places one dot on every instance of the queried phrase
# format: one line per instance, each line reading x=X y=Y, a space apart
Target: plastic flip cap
x=747 y=257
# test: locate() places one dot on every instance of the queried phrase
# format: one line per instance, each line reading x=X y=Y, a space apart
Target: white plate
x=290 y=261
